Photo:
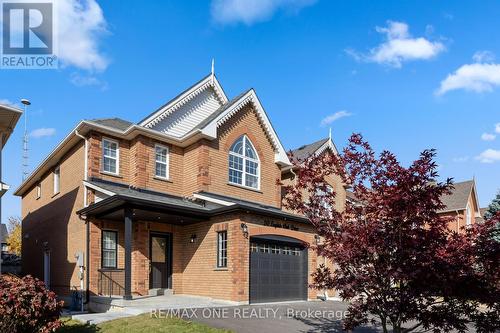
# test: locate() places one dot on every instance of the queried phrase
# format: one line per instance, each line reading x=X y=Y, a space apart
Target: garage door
x=278 y=269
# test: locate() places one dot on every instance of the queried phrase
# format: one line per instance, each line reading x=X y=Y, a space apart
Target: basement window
x=222 y=249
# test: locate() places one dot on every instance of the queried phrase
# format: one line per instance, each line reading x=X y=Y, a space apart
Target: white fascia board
x=210 y=199
x=97 y=188
x=210 y=80
x=210 y=130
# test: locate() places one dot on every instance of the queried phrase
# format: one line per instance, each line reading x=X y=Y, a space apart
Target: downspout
x=87 y=223
x=458 y=221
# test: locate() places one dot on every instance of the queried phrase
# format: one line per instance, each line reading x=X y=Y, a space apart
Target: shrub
x=27 y=306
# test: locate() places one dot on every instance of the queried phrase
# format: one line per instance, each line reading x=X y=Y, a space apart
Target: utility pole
x=25 y=139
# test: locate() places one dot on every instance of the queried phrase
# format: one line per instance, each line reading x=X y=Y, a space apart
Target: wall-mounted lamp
x=317 y=238
x=244 y=228
x=193 y=238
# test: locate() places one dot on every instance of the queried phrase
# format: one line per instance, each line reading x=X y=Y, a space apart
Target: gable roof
x=459 y=197
x=203 y=127
x=227 y=111
x=315 y=148
x=305 y=151
x=208 y=82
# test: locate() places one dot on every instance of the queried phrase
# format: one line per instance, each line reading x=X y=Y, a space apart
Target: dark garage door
x=278 y=270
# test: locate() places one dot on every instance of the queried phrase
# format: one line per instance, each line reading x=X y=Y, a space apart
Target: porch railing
x=111 y=282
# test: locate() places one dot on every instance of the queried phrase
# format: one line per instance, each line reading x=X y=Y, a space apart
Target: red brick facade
x=51 y=223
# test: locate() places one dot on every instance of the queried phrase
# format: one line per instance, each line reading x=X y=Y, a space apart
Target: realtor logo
x=28 y=35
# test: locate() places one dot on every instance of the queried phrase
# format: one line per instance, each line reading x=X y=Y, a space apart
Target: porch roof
x=151 y=205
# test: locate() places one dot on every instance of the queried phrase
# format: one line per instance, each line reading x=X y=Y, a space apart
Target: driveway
x=311 y=317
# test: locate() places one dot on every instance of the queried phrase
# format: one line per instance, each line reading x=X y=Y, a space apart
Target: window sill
x=245 y=187
x=221 y=269
x=111 y=174
x=54 y=195
x=166 y=180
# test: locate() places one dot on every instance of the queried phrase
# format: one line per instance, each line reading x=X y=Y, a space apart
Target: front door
x=160 y=249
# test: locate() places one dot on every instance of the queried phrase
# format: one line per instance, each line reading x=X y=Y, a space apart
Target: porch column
x=128 y=252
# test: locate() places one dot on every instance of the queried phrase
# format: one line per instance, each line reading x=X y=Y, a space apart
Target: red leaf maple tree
x=395 y=260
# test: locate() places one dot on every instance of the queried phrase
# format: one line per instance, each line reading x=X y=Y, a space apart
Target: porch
x=131 y=238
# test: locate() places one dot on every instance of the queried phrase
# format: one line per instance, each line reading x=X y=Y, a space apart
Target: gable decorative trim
x=184 y=98
x=250 y=98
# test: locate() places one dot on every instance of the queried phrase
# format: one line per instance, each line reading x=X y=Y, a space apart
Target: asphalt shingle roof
x=115 y=123
x=459 y=196
x=153 y=196
x=305 y=151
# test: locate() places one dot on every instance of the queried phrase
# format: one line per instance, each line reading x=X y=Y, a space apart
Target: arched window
x=244 y=166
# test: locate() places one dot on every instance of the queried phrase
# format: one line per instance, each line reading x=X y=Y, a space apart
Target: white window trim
x=117 y=156
x=243 y=176
x=39 y=190
x=468 y=215
x=57 y=175
x=167 y=162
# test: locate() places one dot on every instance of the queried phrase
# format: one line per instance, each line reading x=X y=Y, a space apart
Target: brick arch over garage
x=270 y=231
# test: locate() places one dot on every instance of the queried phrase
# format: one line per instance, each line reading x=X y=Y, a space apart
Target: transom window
x=110 y=156
x=244 y=166
x=161 y=162
x=109 y=249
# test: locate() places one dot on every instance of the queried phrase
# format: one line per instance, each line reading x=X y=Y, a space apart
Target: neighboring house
x=4 y=246
x=185 y=200
x=9 y=116
x=462 y=205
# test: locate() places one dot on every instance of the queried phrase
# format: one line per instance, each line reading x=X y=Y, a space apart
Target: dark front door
x=278 y=271
x=160 y=249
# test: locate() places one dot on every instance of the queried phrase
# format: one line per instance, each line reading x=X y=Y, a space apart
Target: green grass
x=140 y=324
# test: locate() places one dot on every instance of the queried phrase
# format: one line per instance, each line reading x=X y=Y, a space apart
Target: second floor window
x=110 y=155
x=57 y=180
x=161 y=162
x=244 y=168
x=38 y=191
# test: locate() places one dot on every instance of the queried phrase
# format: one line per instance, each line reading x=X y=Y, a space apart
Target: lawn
x=140 y=324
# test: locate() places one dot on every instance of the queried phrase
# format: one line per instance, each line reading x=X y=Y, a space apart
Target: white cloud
x=483 y=56
x=488 y=137
x=497 y=128
x=43 y=132
x=87 y=80
x=481 y=76
x=252 y=11
x=7 y=102
x=81 y=25
x=399 y=47
x=461 y=159
x=335 y=116
x=489 y=156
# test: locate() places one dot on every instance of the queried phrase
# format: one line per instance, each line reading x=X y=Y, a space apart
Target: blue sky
x=408 y=75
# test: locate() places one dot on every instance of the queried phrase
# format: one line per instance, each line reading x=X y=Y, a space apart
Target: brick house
x=184 y=201
x=462 y=205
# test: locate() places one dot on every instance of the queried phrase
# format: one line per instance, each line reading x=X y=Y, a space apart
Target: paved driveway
x=311 y=317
